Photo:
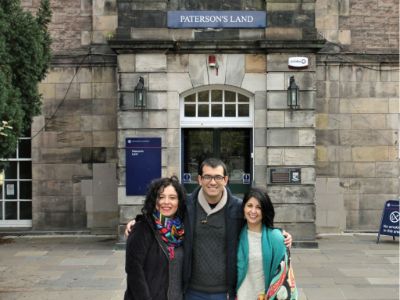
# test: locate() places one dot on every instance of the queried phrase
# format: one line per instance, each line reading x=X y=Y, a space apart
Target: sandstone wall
x=357 y=113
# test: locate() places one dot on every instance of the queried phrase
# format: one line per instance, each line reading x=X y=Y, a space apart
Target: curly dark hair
x=156 y=187
x=267 y=208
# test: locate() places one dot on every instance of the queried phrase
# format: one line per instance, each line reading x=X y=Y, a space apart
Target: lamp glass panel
x=293 y=97
x=139 y=98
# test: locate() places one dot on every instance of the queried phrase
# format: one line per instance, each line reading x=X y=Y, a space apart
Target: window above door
x=216 y=106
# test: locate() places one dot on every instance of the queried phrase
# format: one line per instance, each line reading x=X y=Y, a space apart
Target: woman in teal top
x=263 y=260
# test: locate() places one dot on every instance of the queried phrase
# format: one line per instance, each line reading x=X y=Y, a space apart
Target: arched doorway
x=217 y=121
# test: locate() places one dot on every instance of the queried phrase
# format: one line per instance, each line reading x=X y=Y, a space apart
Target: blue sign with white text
x=390 y=219
x=217 y=19
x=143 y=163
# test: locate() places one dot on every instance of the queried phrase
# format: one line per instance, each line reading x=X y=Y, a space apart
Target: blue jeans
x=194 y=295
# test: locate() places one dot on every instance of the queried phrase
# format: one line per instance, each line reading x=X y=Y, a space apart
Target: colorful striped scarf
x=171 y=231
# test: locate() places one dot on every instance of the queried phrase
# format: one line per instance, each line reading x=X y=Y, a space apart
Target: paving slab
x=343 y=267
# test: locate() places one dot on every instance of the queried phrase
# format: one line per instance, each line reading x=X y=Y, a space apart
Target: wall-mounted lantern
x=140 y=94
x=293 y=94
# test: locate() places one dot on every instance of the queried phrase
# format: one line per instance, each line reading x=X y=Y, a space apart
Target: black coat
x=146 y=265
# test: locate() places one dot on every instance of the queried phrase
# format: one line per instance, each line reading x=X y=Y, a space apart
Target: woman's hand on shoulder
x=288 y=239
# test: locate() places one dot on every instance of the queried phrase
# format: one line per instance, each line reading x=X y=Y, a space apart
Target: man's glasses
x=208 y=178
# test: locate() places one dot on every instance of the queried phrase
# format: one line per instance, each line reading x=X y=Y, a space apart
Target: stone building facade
x=343 y=138
x=357 y=113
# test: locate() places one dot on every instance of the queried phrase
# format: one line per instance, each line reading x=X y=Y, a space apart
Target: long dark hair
x=267 y=209
x=156 y=187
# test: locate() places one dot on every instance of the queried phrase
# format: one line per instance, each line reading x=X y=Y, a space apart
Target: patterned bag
x=283 y=285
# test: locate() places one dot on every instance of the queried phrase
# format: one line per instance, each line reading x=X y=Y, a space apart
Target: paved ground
x=348 y=267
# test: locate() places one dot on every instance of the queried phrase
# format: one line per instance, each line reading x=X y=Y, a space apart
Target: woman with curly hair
x=154 y=254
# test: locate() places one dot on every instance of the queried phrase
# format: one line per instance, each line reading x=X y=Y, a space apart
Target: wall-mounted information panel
x=143 y=163
x=285 y=176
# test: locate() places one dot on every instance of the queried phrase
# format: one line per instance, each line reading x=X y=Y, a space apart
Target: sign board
x=187 y=178
x=246 y=178
x=10 y=189
x=285 y=175
x=217 y=19
x=298 y=62
x=143 y=163
x=390 y=219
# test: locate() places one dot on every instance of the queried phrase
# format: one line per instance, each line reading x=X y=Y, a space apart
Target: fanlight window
x=216 y=103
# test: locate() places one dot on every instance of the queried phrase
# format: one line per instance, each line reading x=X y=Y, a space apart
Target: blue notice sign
x=187 y=177
x=217 y=19
x=143 y=163
x=246 y=178
x=390 y=219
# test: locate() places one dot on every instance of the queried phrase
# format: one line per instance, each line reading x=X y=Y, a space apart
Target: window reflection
x=230 y=96
x=25 y=210
x=216 y=95
x=25 y=190
x=243 y=110
x=11 y=212
x=203 y=96
x=190 y=110
x=24 y=148
x=11 y=170
x=203 y=110
x=216 y=110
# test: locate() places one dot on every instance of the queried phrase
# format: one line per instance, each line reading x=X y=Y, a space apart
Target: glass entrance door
x=232 y=145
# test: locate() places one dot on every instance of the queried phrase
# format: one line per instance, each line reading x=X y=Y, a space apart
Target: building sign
x=390 y=219
x=217 y=19
x=298 y=62
x=285 y=175
x=143 y=163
